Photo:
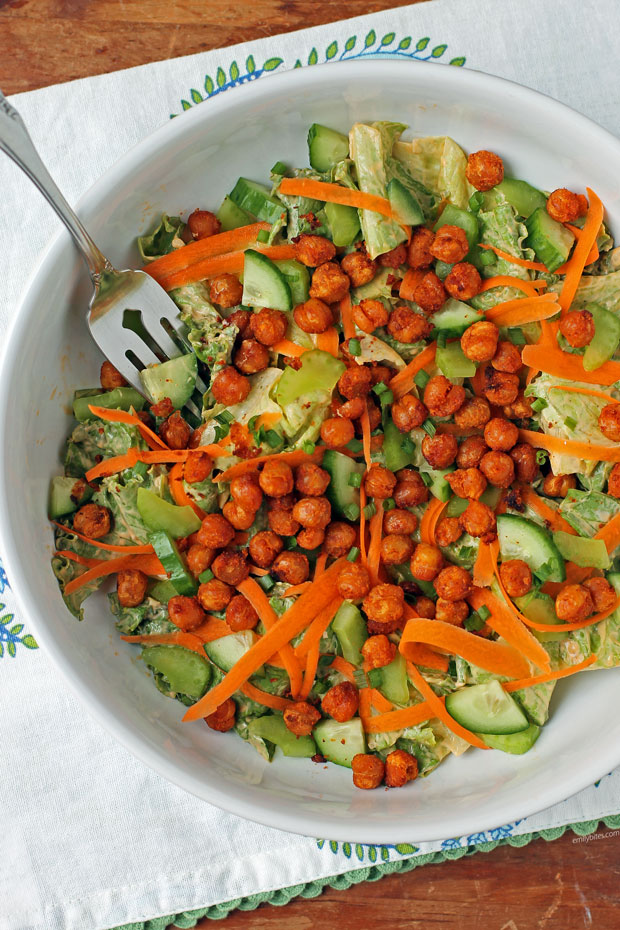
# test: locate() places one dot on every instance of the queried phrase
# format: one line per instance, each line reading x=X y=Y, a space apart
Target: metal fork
x=131 y=341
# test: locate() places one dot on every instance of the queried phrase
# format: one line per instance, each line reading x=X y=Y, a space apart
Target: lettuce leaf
x=587 y=511
x=603 y=289
x=165 y=238
x=149 y=617
x=501 y=228
x=93 y=440
x=439 y=164
x=210 y=335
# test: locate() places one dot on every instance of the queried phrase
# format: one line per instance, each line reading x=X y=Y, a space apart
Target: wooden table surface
x=564 y=885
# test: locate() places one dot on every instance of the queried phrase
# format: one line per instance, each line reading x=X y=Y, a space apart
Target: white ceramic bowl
x=194 y=160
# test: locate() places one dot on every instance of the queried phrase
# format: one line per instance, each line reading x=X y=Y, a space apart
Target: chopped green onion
x=389 y=503
x=225 y=417
x=354 y=445
x=473 y=623
x=252 y=422
x=354 y=347
x=354 y=480
x=273 y=438
x=279 y=168
x=262 y=235
x=266 y=582
x=516 y=337
x=476 y=201
x=370 y=510
x=487 y=257
x=353 y=554
x=140 y=469
x=351 y=511
x=359 y=677
x=222 y=431
x=380 y=387
x=467 y=552
x=426 y=478
x=483 y=612
x=442 y=340
x=205 y=576
x=543 y=572
x=308 y=447
x=375 y=678
x=539 y=404
x=290 y=542
x=541 y=456
x=407 y=444
x=570 y=422
x=429 y=427
x=421 y=379
x=385 y=398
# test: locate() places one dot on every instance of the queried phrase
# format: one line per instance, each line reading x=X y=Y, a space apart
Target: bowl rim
x=232 y=800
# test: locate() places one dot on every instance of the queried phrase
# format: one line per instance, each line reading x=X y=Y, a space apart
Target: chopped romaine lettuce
x=439 y=164
x=149 y=617
x=165 y=238
x=93 y=440
x=501 y=228
x=602 y=289
x=588 y=511
x=210 y=335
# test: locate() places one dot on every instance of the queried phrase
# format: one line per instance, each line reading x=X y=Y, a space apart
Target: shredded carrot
x=79 y=559
x=319 y=566
x=509 y=280
x=568 y=627
x=254 y=569
x=429 y=521
x=149 y=564
x=549 y=676
x=294 y=458
x=213 y=628
x=484 y=566
x=178 y=492
x=232 y=263
x=108 y=547
x=348 y=326
x=118 y=463
x=379 y=702
x=229 y=241
x=312 y=663
x=552 y=517
x=590 y=392
x=551 y=360
x=521 y=262
x=365 y=705
x=335 y=193
x=374 y=548
x=316 y=629
x=286 y=347
x=365 y=422
x=121 y=416
x=492 y=656
x=403 y=382
x=296 y=589
x=421 y=654
x=610 y=533
x=187 y=640
x=590 y=451
x=409 y=283
x=345 y=668
x=263 y=697
x=438 y=707
x=362 y=526
x=328 y=341
x=579 y=258
x=524 y=310
x=398 y=719
x=506 y=621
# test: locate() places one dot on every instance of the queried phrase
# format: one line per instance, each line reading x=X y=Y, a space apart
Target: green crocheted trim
x=372 y=873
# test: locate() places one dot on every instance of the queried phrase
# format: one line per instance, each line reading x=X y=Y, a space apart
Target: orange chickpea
x=526 y=466
x=430 y=294
x=442 y=397
x=197 y=467
x=175 y=432
x=500 y=387
x=353 y=581
x=264 y=546
x=425 y=607
x=378 y=651
x=478 y=520
x=440 y=450
x=313 y=250
x=419 y=252
x=450 y=245
x=394 y=258
x=229 y=387
x=240 y=615
x=215 y=532
x=410 y=492
x=313 y=511
x=276 y=479
x=574 y=603
x=214 y=595
x=314 y=316
x=577 y=327
x=131 y=587
x=498 y=468
x=222 y=719
x=199 y=558
x=203 y=224
x=241 y=319
x=520 y=409
x=448 y=531
x=300 y=718
x=245 y=490
x=329 y=283
x=564 y=206
x=399 y=522
x=92 y=520
x=471 y=451
x=291 y=567
x=407 y=326
x=500 y=435
x=379 y=482
x=454 y=612
x=225 y=290
x=507 y=358
x=359 y=268
x=339 y=539
x=426 y=562
x=351 y=409
x=369 y=315
x=474 y=413
x=516 y=577
x=384 y=605
x=602 y=593
x=356 y=381
x=613 y=483
x=311 y=537
x=468 y=483
x=268 y=326
x=336 y=432
x=408 y=413
x=110 y=377
x=463 y=282
x=558 y=485
x=368 y=771
x=484 y=170
x=341 y=702
x=311 y=480
x=609 y=422
x=251 y=357
x=396 y=549
x=453 y=583
x=236 y=515
x=400 y=767
x=479 y=341
x=185 y=612
x=282 y=522
x=231 y=567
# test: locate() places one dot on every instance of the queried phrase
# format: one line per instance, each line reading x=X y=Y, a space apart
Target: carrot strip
x=213 y=628
x=589 y=451
x=79 y=559
x=296 y=589
x=403 y=382
x=348 y=326
x=379 y=702
x=399 y=719
x=229 y=241
x=524 y=310
x=409 y=283
x=319 y=566
x=484 y=566
x=590 y=392
x=263 y=697
x=316 y=629
x=365 y=705
x=610 y=533
x=506 y=621
x=374 y=549
x=118 y=463
x=551 y=360
x=492 y=656
x=121 y=416
x=232 y=263
x=579 y=258
x=438 y=708
x=423 y=655
x=568 y=627
x=312 y=663
x=149 y=564
x=549 y=676
x=521 y=262
x=294 y=458
x=254 y=569
x=429 y=521
x=362 y=526
x=552 y=517
x=286 y=347
x=345 y=668
x=365 y=422
x=187 y=640
x=328 y=341
x=334 y=193
x=179 y=494
x=509 y=280
x=107 y=547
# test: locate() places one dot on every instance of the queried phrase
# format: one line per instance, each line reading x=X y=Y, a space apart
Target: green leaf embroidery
x=405 y=848
x=271 y=64
x=331 y=50
x=385 y=853
x=422 y=43
x=11 y=649
x=370 y=39
x=404 y=43
x=333 y=845
x=320 y=843
x=388 y=39
x=313 y=57
x=1 y=650
x=220 y=77
x=359 y=852
x=346 y=848
x=459 y=62
x=29 y=642
x=372 y=853
x=196 y=97
x=16 y=630
x=209 y=85
x=234 y=71
x=349 y=45
x=297 y=64
x=438 y=51
x=250 y=65
x=186 y=105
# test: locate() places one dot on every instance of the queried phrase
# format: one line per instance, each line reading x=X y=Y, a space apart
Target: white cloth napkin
x=89 y=837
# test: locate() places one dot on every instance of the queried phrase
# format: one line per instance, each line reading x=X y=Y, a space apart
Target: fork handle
x=16 y=142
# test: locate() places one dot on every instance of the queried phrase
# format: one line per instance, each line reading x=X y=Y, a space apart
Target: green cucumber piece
x=256 y=199
x=541 y=609
x=326 y=147
x=395 y=456
x=486 y=708
x=605 y=340
x=394 y=680
x=452 y=361
x=175 y=379
x=162 y=591
x=158 y=514
x=550 y=240
x=226 y=651
x=319 y=371
x=339 y=742
x=520 y=538
x=514 y=743
x=344 y=223
x=405 y=206
x=438 y=485
x=340 y=493
x=264 y=285
x=63 y=499
x=455 y=216
x=455 y=317
x=273 y=728
x=298 y=279
x=123 y=398
x=232 y=217
x=522 y=196
x=174 y=565
x=186 y=672
x=588 y=553
x=350 y=628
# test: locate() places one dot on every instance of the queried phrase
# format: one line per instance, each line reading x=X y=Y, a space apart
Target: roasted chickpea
x=613 y=483
x=419 y=253
x=577 y=327
x=454 y=612
x=468 y=483
x=410 y=492
x=336 y=432
x=369 y=315
x=291 y=567
x=516 y=577
x=474 y=413
x=558 y=485
x=238 y=516
x=526 y=466
x=199 y=558
x=203 y=224
x=564 y=206
x=282 y=522
x=92 y=520
x=407 y=326
x=450 y=244
x=231 y=567
x=609 y=422
x=378 y=651
x=425 y=607
x=339 y=539
x=463 y=282
x=356 y=381
x=368 y=771
x=225 y=290
x=197 y=467
x=479 y=341
x=241 y=319
x=240 y=615
x=229 y=387
x=245 y=490
x=359 y=268
x=379 y=482
x=394 y=258
x=329 y=283
x=311 y=537
x=301 y=717
x=602 y=593
x=498 y=468
x=313 y=250
x=408 y=413
x=185 y=612
x=478 y=520
x=264 y=546
x=448 y=531
x=215 y=532
x=314 y=316
x=313 y=511
x=426 y=562
x=399 y=522
x=374 y=416
x=268 y=326
x=500 y=387
x=223 y=719
x=471 y=451
x=353 y=581
x=453 y=583
x=175 y=432
x=251 y=357
x=400 y=767
x=110 y=377
x=440 y=450
x=520 y=409
x=351 y=409
x=384 y=606
x=484 y=170
x=442 y=397
x=430 y=294
x=214 y=595
x=500 y=435
x=574 y=603
x=276 y=479
x=341 y=702
x=396 y=549
x=131 y=587
x=311 y=480
x=507 y=358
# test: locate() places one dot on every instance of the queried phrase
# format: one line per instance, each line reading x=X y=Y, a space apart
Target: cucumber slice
x=344 y=223
x=486 y=708
x=339 y=742
x=540 y=609
x=438 y=485
x=350 y=628
x=326 y=147
x=454 y=216
x=175 y=379
x=522 y=196
x=256 y=199
x=394 y=680
x=273 y=728
x=186 y=672
x=550 y=240
x=514 y=743
x=158 y=514
x=319 y=371
x=264 y=285
x=122 y=398
x=455 y=317
x=174 y=566
x=162 y=591
x=395 y=456
x=226 y=651
x=298 y=279
x=340 y=493
x=232 y=217
x=452 y=361
x=405 y=206
x=605 y=340
x=520 y=538
x=63 y=499
x=589 y=553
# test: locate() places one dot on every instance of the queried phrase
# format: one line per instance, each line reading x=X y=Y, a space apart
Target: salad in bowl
x=370 y=513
